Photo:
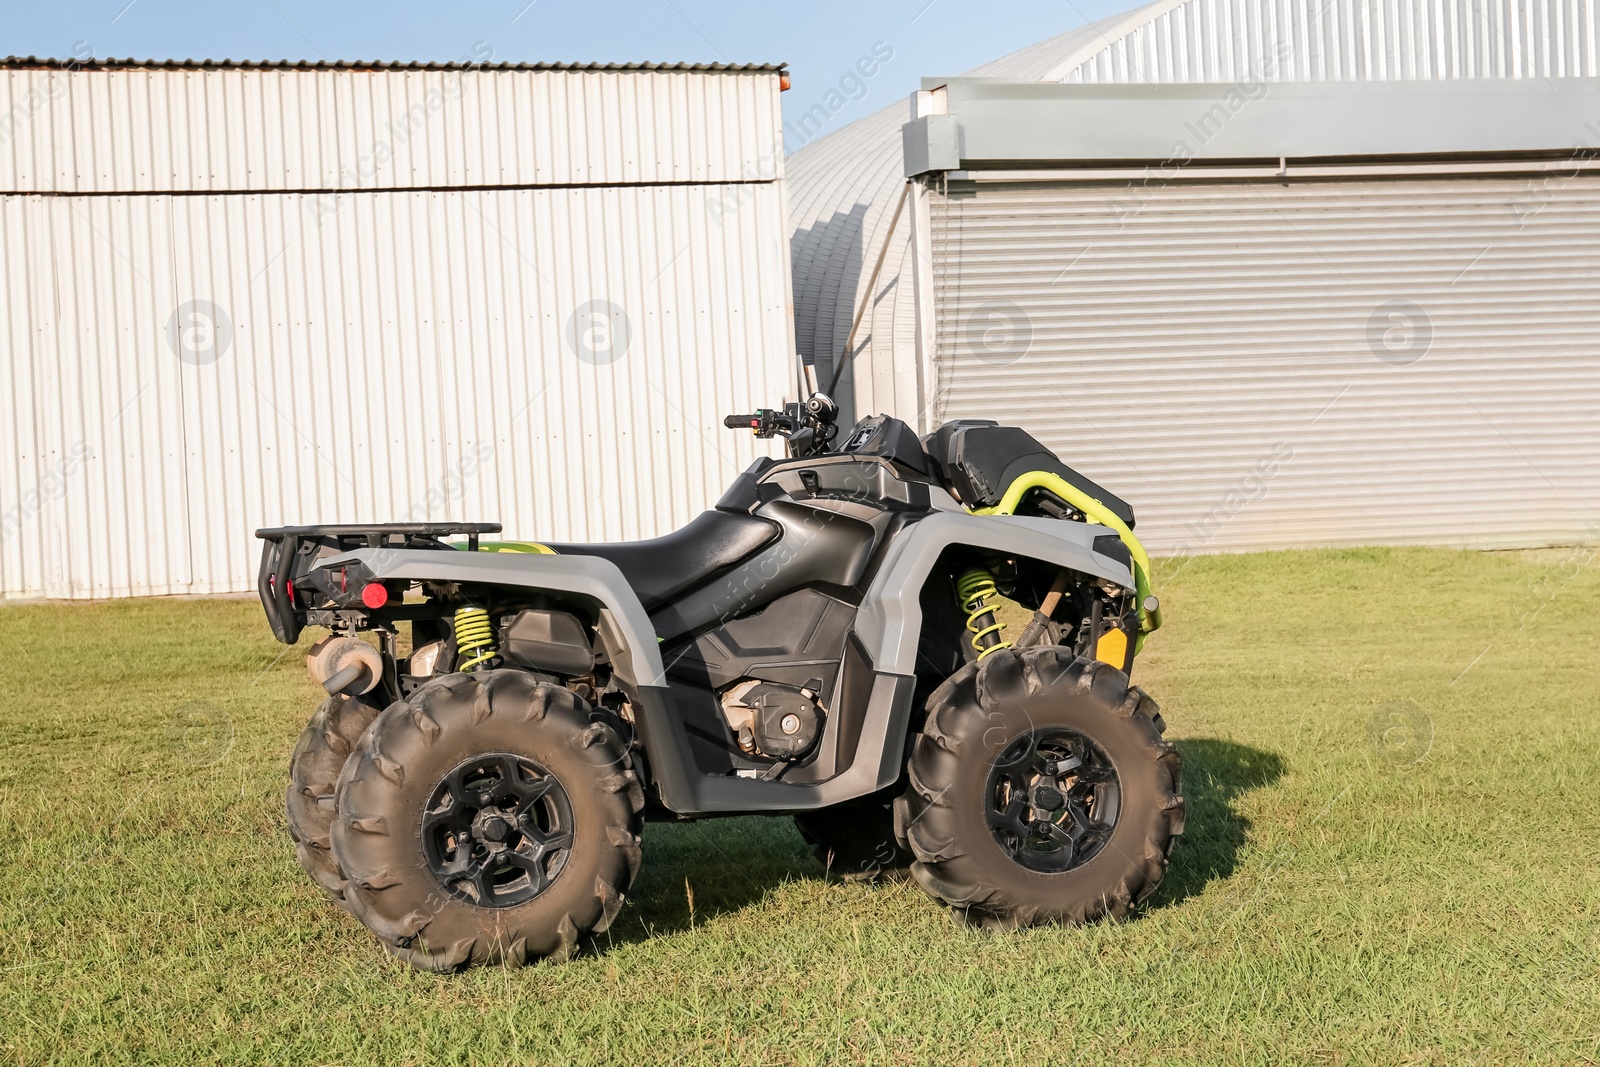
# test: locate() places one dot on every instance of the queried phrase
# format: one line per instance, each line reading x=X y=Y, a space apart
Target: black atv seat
x=663 y=567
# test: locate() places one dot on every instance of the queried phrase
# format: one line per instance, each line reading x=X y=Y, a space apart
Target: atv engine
x=772 y=720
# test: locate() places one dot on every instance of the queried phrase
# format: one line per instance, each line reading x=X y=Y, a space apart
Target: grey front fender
x=634 y=655
x=890 y=620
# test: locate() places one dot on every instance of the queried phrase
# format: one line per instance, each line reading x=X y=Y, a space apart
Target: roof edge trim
x=356 y=66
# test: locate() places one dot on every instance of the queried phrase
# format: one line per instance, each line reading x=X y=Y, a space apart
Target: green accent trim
x=1095 y=512
x=522 y=547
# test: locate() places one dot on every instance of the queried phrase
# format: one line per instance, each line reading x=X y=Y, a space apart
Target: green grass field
x=1391 y=857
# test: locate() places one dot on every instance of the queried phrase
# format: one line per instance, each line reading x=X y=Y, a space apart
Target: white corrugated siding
x=1178 y=344
x=1236 y=313
x=186 y=130
x=843 y=189
x=844 y=186
x=392 y=355
x=1347 y=40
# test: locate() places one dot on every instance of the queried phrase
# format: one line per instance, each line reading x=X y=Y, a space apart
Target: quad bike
x=826 y=643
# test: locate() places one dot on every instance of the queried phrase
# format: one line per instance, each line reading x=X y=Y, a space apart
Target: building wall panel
x=248 y=295
x=845 y=184
x=251 y=130
x=1261 y=365
x=411 y=356
x=843 y=188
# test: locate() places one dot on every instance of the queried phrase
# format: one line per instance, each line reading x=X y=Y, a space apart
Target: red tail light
x=374 y=595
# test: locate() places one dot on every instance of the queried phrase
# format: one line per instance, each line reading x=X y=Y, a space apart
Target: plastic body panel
x=541 y=639
x=829 y=546
x=795 y=640
x=818 y=545
x=889 y=621
x=591 y=580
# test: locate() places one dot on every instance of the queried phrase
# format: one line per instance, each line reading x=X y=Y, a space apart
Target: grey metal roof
x=50 y=63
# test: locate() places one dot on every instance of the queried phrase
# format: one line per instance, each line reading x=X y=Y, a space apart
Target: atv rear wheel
x=488 y=819
x=855 y=844
x=1041 y=791
x=319 y=756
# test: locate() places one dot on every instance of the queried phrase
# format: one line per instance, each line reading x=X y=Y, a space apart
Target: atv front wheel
x=319 y=756
x=1041 y=791
x=488 y=819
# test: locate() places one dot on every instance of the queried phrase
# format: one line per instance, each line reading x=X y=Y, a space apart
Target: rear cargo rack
x=286 y=545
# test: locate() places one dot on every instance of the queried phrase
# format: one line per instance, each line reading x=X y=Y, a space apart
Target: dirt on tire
x=319 y=756
x=972 y=718
x=412 y=747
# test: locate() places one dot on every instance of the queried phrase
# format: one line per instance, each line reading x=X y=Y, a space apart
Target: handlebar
x=808 y=426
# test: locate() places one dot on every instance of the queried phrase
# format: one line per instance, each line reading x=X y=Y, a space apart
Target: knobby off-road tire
x=855 y=844
x=588 y=847
x=973 y=738
x=319 y=756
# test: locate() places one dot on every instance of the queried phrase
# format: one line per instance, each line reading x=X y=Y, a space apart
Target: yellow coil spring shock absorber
x=975 y=588
x=474 y=638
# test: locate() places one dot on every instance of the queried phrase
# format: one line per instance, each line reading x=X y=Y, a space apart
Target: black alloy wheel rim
x=1053 y=800
x=497 y=830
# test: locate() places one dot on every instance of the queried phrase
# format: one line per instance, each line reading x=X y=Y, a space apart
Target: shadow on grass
x=1215 y=773
x=713 y=867
x=697 y=871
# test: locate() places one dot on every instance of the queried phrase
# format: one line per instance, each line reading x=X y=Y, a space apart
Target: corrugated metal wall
x=1263 y=365
x=159 y=130
x=843 y=191
x=845 y=184
x=181 y=369
x=1348 y=40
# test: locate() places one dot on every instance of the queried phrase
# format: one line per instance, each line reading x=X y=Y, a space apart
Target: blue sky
x=821 y=40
